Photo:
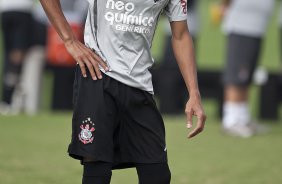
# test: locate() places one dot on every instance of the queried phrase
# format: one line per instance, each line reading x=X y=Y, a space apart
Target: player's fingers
x=200 y=125
x=99 y=60
x=95 y=66
x=90 y=68
x=97 y=70
x=82 y=68
x=104 y=66
x=194 y=132
x=189 y=116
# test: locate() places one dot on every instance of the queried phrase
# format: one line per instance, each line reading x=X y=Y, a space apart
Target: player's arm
x=83 y=55
x=184 y=52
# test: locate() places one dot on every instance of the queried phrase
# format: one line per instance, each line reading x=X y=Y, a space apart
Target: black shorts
x=115 y=123
x=242 y=57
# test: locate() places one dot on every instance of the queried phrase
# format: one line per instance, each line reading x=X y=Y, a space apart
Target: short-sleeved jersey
x=193 y=19
x=121 y=33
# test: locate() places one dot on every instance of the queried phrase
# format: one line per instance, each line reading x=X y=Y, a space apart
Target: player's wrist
x=195 y=94
x=69 y=40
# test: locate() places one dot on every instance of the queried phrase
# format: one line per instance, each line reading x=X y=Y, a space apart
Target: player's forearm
x=55 y=14
x=184 y=53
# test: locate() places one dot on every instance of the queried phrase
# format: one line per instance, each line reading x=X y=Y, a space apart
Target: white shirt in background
x=248 y=17
x=75 y=10
x=16 y=5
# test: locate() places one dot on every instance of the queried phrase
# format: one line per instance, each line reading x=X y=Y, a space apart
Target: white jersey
x=16 y=5
x=248 y=17
x=121 y=33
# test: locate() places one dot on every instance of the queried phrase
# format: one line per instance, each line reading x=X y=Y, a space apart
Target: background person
x=245 y=24
x=16 y=24
x=27 y=94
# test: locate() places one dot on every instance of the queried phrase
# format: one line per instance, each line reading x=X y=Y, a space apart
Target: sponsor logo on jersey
x=124 y=19
x=184 y=6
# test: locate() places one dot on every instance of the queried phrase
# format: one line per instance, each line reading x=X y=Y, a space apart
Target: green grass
x=33 y=151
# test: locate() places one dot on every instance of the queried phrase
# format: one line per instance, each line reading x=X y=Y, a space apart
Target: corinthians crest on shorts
x=86 y=134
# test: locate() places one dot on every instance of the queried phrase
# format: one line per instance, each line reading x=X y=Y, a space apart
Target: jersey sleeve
x=176 y=10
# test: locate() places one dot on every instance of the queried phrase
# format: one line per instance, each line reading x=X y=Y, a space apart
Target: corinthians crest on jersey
x=86 y=134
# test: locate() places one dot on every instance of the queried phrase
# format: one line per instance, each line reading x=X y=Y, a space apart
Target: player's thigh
x=144 y=128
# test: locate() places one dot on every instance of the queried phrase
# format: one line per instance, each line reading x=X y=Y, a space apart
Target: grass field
x=33 y=151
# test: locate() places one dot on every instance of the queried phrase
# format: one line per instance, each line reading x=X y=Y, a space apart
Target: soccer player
x=116 y=123
x=245 y=24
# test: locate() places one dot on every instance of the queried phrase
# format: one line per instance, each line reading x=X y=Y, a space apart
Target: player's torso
x=135 y=16
x=124 y=29
x=121 y=33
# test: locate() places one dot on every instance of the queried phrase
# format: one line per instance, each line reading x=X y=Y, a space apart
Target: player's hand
x=194 y=108
x=85 y=57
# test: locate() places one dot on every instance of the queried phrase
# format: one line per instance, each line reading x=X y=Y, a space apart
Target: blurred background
x=36 y=100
